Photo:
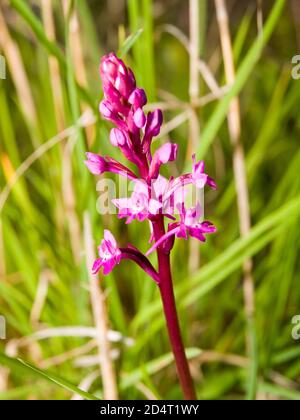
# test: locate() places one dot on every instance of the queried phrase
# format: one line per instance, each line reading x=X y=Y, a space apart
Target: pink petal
x=154 y=206
x=141 y=187
x=97 y=266
x=122 y=203
x=208 y=227
x=105 y=109
x=138 y=98
x=192 y=216
x=108 y=266
x=167 y=152
x=200 y=181
x=159 y=187
x=118 y=137
x=211 y=182
x=108 y=236
x=197 y=233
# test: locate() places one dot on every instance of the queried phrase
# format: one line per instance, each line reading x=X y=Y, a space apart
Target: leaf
x=24 y=367
x=279 y=391
x=129 y=42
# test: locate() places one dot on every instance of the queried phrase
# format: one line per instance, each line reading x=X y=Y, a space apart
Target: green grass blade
x=23 y=367
x=154 y=366
x=129 y=43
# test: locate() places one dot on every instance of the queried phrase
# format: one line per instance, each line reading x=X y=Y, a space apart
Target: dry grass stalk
x=2 y=255
x=86 y=384
x=98 y=302
x=46 y=277
x=239 y=167
x=194 y=124
x=202 y=67
x=71 y=354
x=4 y=374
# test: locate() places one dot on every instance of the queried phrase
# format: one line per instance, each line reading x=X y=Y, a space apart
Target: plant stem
x=170 y=311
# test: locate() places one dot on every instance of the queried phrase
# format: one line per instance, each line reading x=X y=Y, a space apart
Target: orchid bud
x=115 y=74
x=106 y=109
x=154 y=122
x=118 y=137
x=96 y=164
x=139 y=118
x=138 y=98
x=152 y=129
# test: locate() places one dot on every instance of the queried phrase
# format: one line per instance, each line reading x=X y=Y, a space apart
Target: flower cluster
x=154 y=196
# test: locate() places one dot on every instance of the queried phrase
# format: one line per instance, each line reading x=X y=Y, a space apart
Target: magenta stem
x=170 y=311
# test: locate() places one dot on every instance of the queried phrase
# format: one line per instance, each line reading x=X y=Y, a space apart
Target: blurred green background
x=238 y=293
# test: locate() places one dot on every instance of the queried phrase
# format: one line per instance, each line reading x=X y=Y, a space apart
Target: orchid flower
x=189 y=224
x=109 y=253
x=139 y=206
x=154 y=197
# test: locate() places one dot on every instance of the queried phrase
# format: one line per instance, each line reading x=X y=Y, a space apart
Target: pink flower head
x=123 y=102
x=139 y=206
x=191 y=225
x=109 y=253
x=154 y=197
x=170 y=201
x=116 y=77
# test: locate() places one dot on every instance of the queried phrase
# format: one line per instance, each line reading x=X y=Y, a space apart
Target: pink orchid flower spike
x=154 y=197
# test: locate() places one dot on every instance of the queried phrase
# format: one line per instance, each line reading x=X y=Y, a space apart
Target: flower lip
x=189 y=224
